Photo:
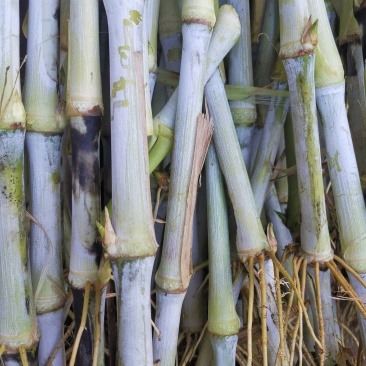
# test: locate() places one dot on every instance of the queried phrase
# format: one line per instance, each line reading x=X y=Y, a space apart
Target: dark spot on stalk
x=56 y=15
x=198 y=58
x=11 y=358
x=351 y=62
x=27 y=304
x=95 y=111
x=85 y=155
x=16 y=126
x=97 y=249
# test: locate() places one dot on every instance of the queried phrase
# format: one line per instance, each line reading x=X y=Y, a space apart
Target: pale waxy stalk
x=223 y=322
x=268 y=146
x=330 y=90
x=84 y=107
x=342 y=164
x=45 y=126
x=298 y=37
x=298 y=40
x=18 y=324
x=129 y=240
x=191 y=135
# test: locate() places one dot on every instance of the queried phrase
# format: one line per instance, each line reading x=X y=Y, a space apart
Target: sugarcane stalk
x=319 y=250
x=268 y=146
x=347 y=191
x=298 y=37
x=194 y=307
x=223 y=322
x=267 y=54
x=18 y=324
x=240 y=72
x=129 y=239
x=192 y=136
x=84 y=107
x=45 y=125
x=152 y=17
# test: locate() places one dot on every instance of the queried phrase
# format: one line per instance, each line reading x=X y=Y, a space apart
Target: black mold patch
x=97 y=249
x=85 y=156
x=27 y=304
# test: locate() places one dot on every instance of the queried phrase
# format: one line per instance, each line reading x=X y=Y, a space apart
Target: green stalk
x=223 y=322
x=18 y=324
x=129 y=240
x=84 y=107
x=45 y=126
x=192 y=134
x=241 y=73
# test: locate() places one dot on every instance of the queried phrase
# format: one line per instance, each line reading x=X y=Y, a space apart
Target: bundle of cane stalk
x=231 y=174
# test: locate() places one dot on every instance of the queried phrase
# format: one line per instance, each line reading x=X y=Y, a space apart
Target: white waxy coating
x=347 y=192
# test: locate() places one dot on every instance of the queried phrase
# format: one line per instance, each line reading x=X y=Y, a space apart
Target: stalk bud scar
x=298 y=33
x=271 y=239
x=109 y=239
